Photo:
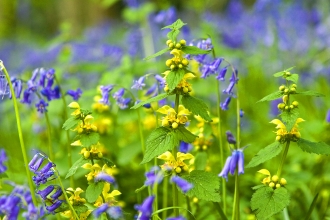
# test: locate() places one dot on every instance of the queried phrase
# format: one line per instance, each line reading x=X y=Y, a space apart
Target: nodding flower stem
x=20 y=133
x=67 y=132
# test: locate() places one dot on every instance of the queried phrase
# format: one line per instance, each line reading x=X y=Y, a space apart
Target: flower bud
x=285 y=98
x=278 y=186
x=278 y=138
x=286 y=108
x=195 y=200
x=294 y=85
x=283 y=181
x=166 y=89
x=281 y=88
x=293 y=89
x=89 y=178
x=170 y=45
x=281 y=106
x=286 y=90
x=168 y=62
x=287 y=73
x=182 y=42
x=295 y=103
x=172 y=66
x=291 y=107
x=180 y=66
x=74 y=105
x=178 y=170
x=178 y=45
x=185 y=62
x=185 y=168
x=204 y=147
x=165 y=123
x=185 y=90
x=87 y=154
x=174 y=125
x=189 y=88
x=99 y=155
x=168 y=42
x=271 y=184
x=275 y=178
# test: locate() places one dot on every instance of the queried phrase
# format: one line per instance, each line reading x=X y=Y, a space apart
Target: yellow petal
x=183 y=110
x=189 y=76
x=114 y=193
x=165 y=110
x=299 y=120
x=166 y=156
x=182 y=156
x=87 y=166
x=177 y=53
x=74 y=105
x=77 y=143
x=264 y=171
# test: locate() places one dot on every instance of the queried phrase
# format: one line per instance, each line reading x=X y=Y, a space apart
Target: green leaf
x=70 y=123
x=3 y=175
x=314 y=147
x=265 y=154
x=258 y=186
x=157 y=54
x=174 y=77
x=289 y=118
x=278 y=74
x=153 y=99
x=206 y=185
x=196 y=106
x=89 y=139
x=272 y=96
x=310 y=93
x=266 y=201
x=200 y=160
x=184 y=135
x=159 y=141
x=293 y=77
x=194 y=50
x=176 y=25
x=80 y=209
x=107 y=161
x=93 y=191
x=81 y=161
x=173 y=34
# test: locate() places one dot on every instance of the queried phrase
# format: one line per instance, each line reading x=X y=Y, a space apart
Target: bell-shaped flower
x=233 y=162
x=183 y=184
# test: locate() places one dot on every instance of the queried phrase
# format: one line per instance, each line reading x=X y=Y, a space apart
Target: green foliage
x=289 y=118
x=279 y=74
x=153 y=99
x=3 y=175
x=196 y=106
x=194 y=50
x=80 y=209
x=272 y=96
x=206 y=185
x=310 y=93
x=81 y=161
x=157 y=54
x=107 y=161
x=175 y=29
x=265 y=154
x=174 y=77
x=266 y=201
x=293 y=77
x=93 y=191
x=163 y=139
x=314 y=147
x=70 y=123
x=89 y=139
x=159 y=141
x=200 y=160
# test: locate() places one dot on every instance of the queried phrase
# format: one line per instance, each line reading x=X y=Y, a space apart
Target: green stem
x=65 y=195
x=49 y=127
x=67 y=132
x=285 y=153
x=236 y=199
x=174 y=152
x=188 y=206
x=20 y=134
x=155 y=192
x=165 y=187
x=220 y=211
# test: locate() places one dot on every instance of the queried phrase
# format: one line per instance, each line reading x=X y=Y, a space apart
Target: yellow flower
x=108 y=197
x=94 y=170
x=177 y=54
x=172 y=163
x=172 y=116
x=77 y=143
x=75 y=105
x=75 y=195
x=282 y=131
x=267 y=173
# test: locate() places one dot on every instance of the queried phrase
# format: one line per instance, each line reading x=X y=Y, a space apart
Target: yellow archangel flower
x=75 y=196
x=174 y=164
x=75 y=105
x=109 y=197
x=173 y=117
x=96 y=169
x=282 y=132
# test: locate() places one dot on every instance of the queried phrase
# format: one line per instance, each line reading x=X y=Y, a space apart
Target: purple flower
x=54 y=206
x=101 y=209
x=229 y=89
x=183 y=184
x=57 y=194
x=3 y=85
x=123 y=103
x=45 y=192
x=153 y=176
x=327 y=118
x=35 y=163
x=145 y=208
x=222 y=74
x=17 y=86
x=177 y=218
x=102 y=176
x=185 y=147
x=224 y=105
x=46 y=168
x=75 y=94
x=161 y=80
x=230 y=138
x=27 y=99
x=152 y=90
x=41 y=106
x=119 y=94
x=3 y=158
x=43 y=178
x=115 y=212
x=138 y=84
x=105 y=91
x=236 y=158
x=241 y=113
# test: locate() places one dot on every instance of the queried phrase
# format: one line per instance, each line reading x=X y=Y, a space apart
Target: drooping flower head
x=105 y=92
x=155 y=175
x=236 y=160
x=138 y=84
x=75 y=94
x=41 y=106
x=145 y=209
x=183 y=184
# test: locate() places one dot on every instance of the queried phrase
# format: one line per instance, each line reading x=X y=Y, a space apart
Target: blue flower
x=3 y=158
x=160 y=80
x=101 y=209
x=327 y=118
x=222 y=74
x=123 y=103
x=224 y=105
x=152 y=90
x=41 y=106
x=185 y=147
x=115 y=212
x=57 y=194
x=36 y=162
x=236 y=159
x=54 y=206
x=138 y=84
x=183 y=184
x=105 y=91
x=102 y=176
x=4 y=90
x=230 y=138
x=145 y=208
x=155 y=175
x=45 y=192
x=17 y=86
x=75 y=94
x=119 y=94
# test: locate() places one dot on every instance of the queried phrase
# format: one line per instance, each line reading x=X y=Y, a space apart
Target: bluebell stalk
x=183 y=184
x=235 y=160
x=145 y=209
x=75 y=94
